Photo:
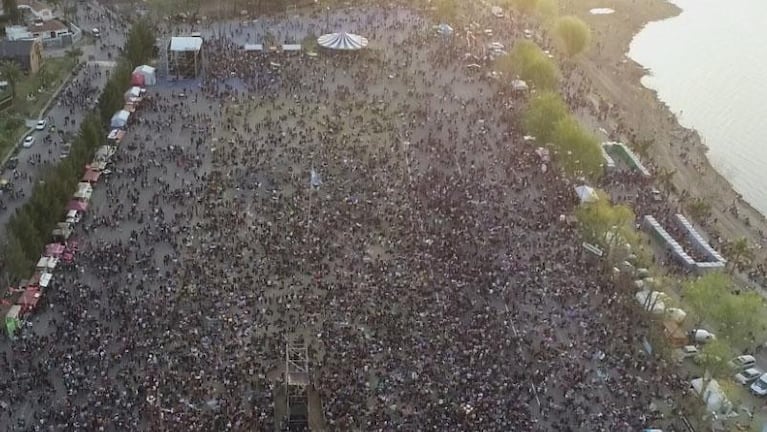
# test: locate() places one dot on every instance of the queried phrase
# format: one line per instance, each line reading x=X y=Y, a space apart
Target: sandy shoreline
x=616 y=79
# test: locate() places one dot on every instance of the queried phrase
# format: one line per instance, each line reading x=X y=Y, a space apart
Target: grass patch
x=22 y=108
x=31 y=96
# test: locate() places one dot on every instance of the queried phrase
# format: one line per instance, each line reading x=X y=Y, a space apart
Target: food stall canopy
x=78 y=205
x=120 y=119
x=91 y=176
x=149 y=74
x=54 y=249
x=116 y=135
x=12 y=320
x=84 y=194
x=97 y=165
x=137 y=79
x=342 y=41
x=84 y=186
x=45 y=279
x=29 y=299
x=61 y=233
x=48 y=263
x=104 y=152
x=133 y=94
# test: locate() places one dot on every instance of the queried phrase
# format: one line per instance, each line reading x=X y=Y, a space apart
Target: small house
x=27 y=53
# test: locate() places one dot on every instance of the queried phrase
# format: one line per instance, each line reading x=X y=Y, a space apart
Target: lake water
x=709 y=65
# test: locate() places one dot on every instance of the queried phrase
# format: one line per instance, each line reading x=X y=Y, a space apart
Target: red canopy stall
x=29 y=300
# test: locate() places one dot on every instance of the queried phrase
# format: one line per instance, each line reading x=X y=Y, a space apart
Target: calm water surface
x=709 y=65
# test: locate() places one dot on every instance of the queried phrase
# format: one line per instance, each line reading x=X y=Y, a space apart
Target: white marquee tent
x=586 y=194
x=148 y=72
x=342 y=41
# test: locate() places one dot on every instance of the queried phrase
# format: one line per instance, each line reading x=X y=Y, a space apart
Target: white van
x=96 y=33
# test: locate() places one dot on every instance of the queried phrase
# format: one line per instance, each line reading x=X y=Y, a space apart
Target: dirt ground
x=616 y=78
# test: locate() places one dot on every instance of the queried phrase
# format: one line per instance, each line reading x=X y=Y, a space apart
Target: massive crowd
x=425 y=263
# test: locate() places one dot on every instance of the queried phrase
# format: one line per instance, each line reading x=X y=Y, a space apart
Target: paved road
x=66 y=116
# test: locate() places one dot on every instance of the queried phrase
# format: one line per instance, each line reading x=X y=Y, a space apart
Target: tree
x=447 y=10
x=738 y=318
x=11 y=10
x=665 y=181
x=45 y=75
x=699 y=209
x=525 y=6
x=703 y=292
x=74 y=54
x=739 y=254
x=11 y=71
x=527 y=61
x=606 y=224
x=580 y=154
x=713 y=359
x=548 y=9
x=16 y=262
x=544 y=111
x=573 y=35
x=139 y=44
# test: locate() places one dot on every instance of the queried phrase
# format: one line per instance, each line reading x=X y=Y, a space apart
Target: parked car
x=742 y=362
x=759 y=387
x=29 y=141
x=41 y=124
x=701 y=336
x=748 y=376
x=686 y=352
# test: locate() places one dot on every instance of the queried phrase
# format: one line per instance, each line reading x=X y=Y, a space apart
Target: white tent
x=253 y=47
x=291 y=47
x=519 y=86
x=150 y=78
x=712 y=395
x=133 y=94
x=655 y=302
x=444 y=29
x=342 y=41
x=47 y=263
x=586 y=194
x=45 y=279
x=120 y=119
x=675 y=314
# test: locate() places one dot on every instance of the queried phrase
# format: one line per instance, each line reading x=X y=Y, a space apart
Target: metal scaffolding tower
x=297 y=382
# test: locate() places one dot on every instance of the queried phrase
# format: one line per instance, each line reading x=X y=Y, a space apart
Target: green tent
x=12 y=320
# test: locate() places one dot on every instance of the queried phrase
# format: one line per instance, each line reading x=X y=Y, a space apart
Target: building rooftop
x=17 y=48
x=48 y=26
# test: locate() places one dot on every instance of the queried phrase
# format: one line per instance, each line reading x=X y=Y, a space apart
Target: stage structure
x=185 y=57
x=297 y=384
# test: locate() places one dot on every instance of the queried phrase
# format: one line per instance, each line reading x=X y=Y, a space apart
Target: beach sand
x=616 y=79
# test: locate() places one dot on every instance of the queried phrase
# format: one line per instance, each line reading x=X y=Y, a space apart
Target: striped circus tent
x=342 y=41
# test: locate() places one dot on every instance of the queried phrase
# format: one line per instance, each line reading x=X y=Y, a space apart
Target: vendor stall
x=13 y=320
x=54 y=250
x=91 y=176
x=120 y=120
x=29 y=299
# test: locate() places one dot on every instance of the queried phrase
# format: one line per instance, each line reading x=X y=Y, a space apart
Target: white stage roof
x=342 y=41
x=186 y=43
